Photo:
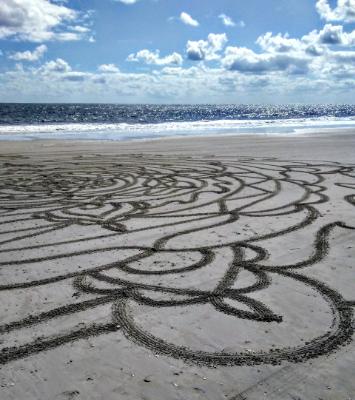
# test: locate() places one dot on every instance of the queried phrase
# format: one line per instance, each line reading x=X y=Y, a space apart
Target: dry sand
x=215 y=268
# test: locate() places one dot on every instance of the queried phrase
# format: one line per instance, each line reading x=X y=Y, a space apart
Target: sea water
x=134 y=122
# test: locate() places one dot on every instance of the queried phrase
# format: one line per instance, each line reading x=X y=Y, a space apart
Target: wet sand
x=215 y=268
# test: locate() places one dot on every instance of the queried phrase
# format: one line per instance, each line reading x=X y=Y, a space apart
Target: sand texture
x=218 y=268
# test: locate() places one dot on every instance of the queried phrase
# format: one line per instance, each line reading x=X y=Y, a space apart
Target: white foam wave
x=125 y=131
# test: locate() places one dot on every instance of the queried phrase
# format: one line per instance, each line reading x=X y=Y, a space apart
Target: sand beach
x=178 y=269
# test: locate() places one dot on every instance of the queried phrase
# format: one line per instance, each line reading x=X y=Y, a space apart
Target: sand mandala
x=175 y=242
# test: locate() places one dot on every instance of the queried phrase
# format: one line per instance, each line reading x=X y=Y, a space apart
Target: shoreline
x=135 y=132
x=331 y=143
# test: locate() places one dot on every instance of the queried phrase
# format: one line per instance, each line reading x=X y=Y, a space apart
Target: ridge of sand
x=178 y=269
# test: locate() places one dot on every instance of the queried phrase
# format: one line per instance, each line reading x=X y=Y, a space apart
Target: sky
x=177 y=51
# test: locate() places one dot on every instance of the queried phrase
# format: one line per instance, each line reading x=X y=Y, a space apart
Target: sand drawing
x=134 y=231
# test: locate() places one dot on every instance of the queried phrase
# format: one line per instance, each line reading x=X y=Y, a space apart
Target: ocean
x=134 y=122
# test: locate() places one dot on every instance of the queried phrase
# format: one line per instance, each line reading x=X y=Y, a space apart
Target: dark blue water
x=28 y=114
x=135 y=122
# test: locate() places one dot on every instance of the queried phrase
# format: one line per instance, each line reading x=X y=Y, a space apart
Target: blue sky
x=177 y=51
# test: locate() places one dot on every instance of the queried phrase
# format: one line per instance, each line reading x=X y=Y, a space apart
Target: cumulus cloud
x=109 y=68
x=37 y=21
x=279 y=43
x=317 y=54
x=60 y=70
x=195 y=50
x=283 y=67
x=331 y=35
x=313 y=44
x=206 y=49
x=246 y=60
x=332 y=74
x=75 y=76
x=28 y=55
x=153 y=58
x=188 y=20
x=344 y=11
x=57 y=66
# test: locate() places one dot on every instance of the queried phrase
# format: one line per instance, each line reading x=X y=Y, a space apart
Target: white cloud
x=127 y=1
x=110 y=68
x=60 y=70
x=331 y=35
x=344 y=11
x=196 y=50
x=313 y=44
x=317 y=54
x=78 y=28
x=330 y=74
x=34 y=55
x=246 y=60
x=321 y=63
x=217 y=41
x=75 y=76
x=227 y=21
x=154 y=58
x=37 y=21
x=188 y=20
x=57 y=66
x=206 y=49
x=278 y=43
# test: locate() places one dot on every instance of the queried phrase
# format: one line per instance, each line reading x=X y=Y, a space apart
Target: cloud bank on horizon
x=173 y=52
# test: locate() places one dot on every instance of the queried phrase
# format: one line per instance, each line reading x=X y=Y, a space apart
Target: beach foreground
x=214 y=268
